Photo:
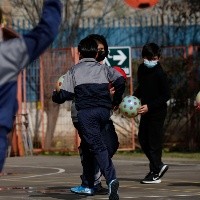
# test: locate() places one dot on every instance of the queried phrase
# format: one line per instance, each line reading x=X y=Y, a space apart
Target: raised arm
x=45 y=32
x=16 y=54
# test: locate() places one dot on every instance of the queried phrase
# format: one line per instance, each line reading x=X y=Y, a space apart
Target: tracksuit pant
x=3 y=146
x=92 y=121
x=150 y=136
x=110 y=139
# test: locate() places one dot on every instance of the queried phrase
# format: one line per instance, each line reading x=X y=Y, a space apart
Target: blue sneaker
x=113 y=190
x=82 y=190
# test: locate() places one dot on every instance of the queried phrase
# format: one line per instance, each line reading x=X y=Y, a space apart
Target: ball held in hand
x=60 y=81
x=198 y=99
x=129 y=106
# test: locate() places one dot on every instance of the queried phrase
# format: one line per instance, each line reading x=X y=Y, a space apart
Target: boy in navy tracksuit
x=15 y=54
x=108 y=133
x=153 y=90
x=87 y=83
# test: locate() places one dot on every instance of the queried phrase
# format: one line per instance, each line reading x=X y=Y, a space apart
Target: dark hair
x=102 y=40
x=88 y=48
x=151 y=50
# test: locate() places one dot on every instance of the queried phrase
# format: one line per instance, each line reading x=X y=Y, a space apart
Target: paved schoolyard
x=50 y=177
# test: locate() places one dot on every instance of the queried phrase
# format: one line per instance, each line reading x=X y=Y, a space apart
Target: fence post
x=75 y=56
x=19 y=116
x=132 y=120
x=42 y=100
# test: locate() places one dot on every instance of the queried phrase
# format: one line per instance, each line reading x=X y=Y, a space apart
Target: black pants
x=110 y=139
x=92 y=122
x=151 y=138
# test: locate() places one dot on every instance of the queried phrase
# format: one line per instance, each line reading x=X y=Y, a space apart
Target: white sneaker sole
x=151 y=182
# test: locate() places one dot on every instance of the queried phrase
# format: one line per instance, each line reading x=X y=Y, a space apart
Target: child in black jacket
x=153 y=91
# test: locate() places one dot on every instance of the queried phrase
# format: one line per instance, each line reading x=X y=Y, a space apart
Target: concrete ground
x=50 y=178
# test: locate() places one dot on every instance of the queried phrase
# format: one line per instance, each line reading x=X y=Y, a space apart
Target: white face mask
x=150 y=64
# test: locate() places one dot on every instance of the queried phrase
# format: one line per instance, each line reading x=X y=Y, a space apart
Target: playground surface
x=51 y=177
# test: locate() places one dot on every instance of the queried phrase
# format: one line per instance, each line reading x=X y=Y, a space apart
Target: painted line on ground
x=59 y=171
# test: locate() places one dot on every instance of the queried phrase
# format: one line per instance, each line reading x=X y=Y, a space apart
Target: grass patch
x=166 y=154
x=189 y=155
x=131 y=154
x=57 y=153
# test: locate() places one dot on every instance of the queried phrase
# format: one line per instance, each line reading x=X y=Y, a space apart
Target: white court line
x=60 y=170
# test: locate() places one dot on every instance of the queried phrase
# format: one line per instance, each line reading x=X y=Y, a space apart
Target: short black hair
x=101 y=39
x=88 y=48
x=151 y=50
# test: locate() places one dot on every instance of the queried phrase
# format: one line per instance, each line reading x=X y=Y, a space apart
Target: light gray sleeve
x=68 y=83
x=112 y=73
x=13 y=57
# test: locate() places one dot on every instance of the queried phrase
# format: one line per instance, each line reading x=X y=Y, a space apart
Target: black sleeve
x=119 y=86
x=164 y=92
x=137 y=92
x=62 y=96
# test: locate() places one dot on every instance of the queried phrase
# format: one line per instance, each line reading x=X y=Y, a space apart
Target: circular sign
x=141 y=4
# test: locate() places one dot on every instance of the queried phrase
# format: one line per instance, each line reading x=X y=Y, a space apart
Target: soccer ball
x=60 y=81
x=129 y=106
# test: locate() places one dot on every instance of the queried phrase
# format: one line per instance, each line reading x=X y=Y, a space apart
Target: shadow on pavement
x=185 y=184
x=57 y=193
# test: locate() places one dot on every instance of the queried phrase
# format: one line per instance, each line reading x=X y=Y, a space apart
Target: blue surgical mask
x=150 y=63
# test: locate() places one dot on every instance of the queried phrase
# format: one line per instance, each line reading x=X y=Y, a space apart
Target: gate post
x=42 y=100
